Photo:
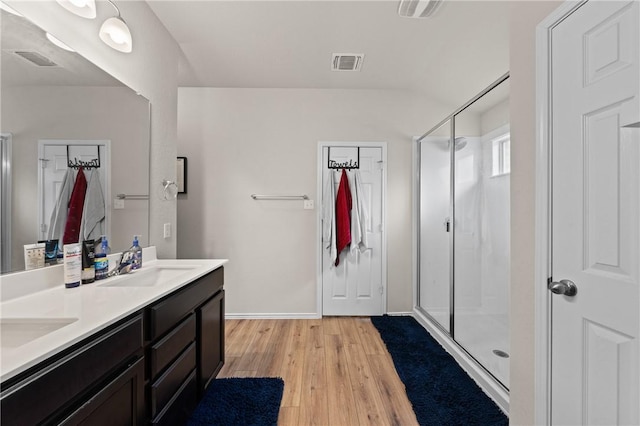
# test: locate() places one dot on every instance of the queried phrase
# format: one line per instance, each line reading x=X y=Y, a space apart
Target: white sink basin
x=15 y=332
x=149 y=277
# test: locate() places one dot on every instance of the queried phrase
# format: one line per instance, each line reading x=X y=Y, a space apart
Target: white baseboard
x=487 y=383
x=400 y=314
x=312 y=315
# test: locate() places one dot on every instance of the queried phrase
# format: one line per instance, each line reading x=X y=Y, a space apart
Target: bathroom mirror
x=54 y=98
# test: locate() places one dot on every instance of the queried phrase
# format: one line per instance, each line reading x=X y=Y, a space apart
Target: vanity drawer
x=163 y=389
x=163 y=315
x=180 y=407
x=170 y=346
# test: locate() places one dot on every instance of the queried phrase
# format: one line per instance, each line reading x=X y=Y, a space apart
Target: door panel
x=481 y=238
x=595 y=215
x=434 y=285
x=354 y=287
x=54 y=163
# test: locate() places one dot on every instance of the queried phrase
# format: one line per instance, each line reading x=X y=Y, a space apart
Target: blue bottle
x=137 y=253
x=100 y=259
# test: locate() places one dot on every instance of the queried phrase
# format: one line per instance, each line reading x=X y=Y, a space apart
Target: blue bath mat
x=439 y=390
x=243 y=401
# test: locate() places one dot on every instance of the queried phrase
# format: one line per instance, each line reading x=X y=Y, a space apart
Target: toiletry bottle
x=137 y=253
x=72 y=264
x=88 y=262
x=100 y=260
x=34 y=256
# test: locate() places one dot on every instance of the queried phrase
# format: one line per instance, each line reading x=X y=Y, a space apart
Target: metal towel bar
x=279 y=197
x=132 y=197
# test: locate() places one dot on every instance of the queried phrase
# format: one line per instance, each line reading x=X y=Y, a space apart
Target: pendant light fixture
x=56 y=41
x=115 y=33
x=84 y=8
x=9 y=9
x=418 y=8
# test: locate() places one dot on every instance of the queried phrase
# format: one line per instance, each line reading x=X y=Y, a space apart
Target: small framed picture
x=181 y=175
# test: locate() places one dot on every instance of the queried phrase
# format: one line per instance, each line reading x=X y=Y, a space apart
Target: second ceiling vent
x=347 y=61
x=35 y=58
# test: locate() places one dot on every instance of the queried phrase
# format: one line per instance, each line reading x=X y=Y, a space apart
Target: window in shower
x=464 y=222
x=501 y=158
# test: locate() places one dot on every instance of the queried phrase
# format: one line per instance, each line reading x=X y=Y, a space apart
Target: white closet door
x=355 y=286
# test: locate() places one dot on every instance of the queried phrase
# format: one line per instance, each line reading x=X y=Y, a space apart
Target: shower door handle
x=564 y=287
x=447 y=224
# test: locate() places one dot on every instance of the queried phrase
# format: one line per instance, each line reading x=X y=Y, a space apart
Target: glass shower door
x=482 y=231
x=434 y=290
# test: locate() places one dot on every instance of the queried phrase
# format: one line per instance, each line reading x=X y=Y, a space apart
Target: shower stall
x=463 y=223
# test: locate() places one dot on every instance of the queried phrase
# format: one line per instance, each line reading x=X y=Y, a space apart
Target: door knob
x=564 y=287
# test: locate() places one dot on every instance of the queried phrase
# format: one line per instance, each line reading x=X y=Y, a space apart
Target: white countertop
x=88 y=308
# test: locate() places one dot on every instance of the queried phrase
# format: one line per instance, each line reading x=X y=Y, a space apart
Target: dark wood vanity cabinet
x=152 y=367
x=211 y=337
x=186 y=347
x=120 y=402
x=83 y=384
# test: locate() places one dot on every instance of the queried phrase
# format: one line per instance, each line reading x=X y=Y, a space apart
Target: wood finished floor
x=336 y=370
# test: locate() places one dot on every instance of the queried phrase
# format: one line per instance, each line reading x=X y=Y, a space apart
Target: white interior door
x=54 y=161
x=596 y=215
x=356 y=285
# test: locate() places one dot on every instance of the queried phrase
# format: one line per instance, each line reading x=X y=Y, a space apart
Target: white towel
x=359 y=213
x=58 y=219
x=328 y=217
x=93 y=213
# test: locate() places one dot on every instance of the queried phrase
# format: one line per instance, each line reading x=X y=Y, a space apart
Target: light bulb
x=59 y=43
x=84 y=8
x=9 y=9
x=115 y=33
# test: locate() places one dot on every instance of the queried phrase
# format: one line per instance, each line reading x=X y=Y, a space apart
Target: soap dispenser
x=137 y=253
x=100 y=259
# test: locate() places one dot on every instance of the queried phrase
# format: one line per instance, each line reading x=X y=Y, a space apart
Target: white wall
x=33 y=113
x=264 y=141
x=495 y=117
x=524 y=16
x=151 y=69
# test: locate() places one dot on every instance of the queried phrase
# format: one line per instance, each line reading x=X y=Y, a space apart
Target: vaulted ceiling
x=288 y=44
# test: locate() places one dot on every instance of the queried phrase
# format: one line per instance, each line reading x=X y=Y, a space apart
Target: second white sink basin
x=15 y=332
x=149 y=277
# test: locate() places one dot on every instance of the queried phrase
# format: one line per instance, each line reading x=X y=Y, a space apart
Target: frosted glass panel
x=435 y=195
x=481 y=232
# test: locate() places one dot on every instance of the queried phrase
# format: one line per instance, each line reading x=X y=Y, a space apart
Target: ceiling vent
x=35 y=58
x=418 y=8
x=347 y=61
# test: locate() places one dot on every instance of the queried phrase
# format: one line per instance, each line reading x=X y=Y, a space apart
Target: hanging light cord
x=116 y=8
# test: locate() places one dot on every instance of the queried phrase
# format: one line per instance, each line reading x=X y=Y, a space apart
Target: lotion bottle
x=72 y=264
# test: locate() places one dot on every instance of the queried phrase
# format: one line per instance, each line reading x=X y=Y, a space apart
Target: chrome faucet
x=124 y=266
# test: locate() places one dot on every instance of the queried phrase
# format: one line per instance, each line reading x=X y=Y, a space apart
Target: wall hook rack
x=76 y=164
x=348 y=165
